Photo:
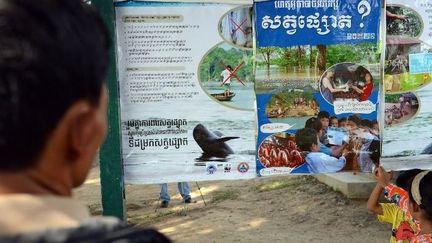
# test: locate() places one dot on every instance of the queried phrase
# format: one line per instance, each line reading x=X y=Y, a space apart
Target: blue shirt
x=325 y=149
x=318 y=162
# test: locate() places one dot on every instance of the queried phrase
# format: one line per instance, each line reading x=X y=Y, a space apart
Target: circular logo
x=243 y=167
x=211 y=168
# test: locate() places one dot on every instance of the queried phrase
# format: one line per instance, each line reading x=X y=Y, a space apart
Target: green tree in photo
x=213 y=64
x=392 y=98
x=359 y=53
x=300 y=57
x=267 y=53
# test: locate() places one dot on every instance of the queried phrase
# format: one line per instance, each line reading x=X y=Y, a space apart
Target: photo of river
x=243 y=99
x=411 y=137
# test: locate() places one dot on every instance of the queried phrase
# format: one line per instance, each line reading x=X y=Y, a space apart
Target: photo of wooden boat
x=223 y=97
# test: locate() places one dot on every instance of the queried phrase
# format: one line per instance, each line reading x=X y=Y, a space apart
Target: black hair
x=355 y=118
x=229 y=66
x=425 y=193
x=405 y=178
x=305 y=138
x=333 y=117
x=323 y=114
x=52 y=54
x=342 y=119
x=314 y=124
x=366 y=123
x=375 y=151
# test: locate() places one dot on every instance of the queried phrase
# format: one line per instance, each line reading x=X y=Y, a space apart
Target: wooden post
x=111 y=167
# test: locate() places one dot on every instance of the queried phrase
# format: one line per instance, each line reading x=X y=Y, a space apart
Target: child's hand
x=345 y=152
x=383 y=178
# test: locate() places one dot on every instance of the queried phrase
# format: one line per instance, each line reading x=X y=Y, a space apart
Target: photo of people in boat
x=236 y=27
x=346 y=81
x=400 y=108
x=326 y=144
x=226 y=75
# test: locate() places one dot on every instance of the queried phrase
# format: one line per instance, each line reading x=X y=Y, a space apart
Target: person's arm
x=392 y=15
x=360 y=91
x=325 y=149
x=368 y=89
x=327 y=84
x=372 y=203
x=336 y=151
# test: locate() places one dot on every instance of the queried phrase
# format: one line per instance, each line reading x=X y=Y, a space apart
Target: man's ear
x=81 y=122
x=314 y=147
x=414 y=209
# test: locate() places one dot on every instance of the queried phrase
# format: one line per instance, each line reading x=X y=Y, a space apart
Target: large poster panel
x=407 y=85
x=317 y=86
x=186 y=91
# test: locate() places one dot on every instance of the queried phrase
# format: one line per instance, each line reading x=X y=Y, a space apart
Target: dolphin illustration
x=428 y=149
x=212 y=143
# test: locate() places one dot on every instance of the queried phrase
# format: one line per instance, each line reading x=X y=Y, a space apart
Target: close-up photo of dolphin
x=212 y=143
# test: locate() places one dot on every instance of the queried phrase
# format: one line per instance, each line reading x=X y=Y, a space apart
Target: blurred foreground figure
x=53 y=102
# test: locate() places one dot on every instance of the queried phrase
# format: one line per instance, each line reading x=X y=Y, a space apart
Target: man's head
x=375 y=125
x=53 y=60
x=307 y=140
x=343 y=122
x=314 y=124
x=354 y=121
x=330 y=73
x=365 y=124
x=405 y=178
x=324 y=117
x=420 y=195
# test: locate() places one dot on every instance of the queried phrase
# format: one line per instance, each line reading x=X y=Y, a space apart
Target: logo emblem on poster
x=227 y=168
x=211 y=169
x=243 y=167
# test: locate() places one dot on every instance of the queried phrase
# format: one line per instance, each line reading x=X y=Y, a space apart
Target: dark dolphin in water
x=212 y=143
x=427 y=150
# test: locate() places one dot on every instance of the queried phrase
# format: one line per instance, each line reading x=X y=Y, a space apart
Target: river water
x=156 y=164
x=411 y=137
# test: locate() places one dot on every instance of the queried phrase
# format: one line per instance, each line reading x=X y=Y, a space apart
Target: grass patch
x=220 y=196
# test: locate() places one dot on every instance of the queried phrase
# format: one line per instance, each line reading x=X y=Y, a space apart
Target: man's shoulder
x=98 y=229
x=316 y=155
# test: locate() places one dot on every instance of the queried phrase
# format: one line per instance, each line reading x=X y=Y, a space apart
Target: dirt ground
x=276 y=209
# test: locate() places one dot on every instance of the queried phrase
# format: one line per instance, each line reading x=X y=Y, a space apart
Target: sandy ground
x=276 y=209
